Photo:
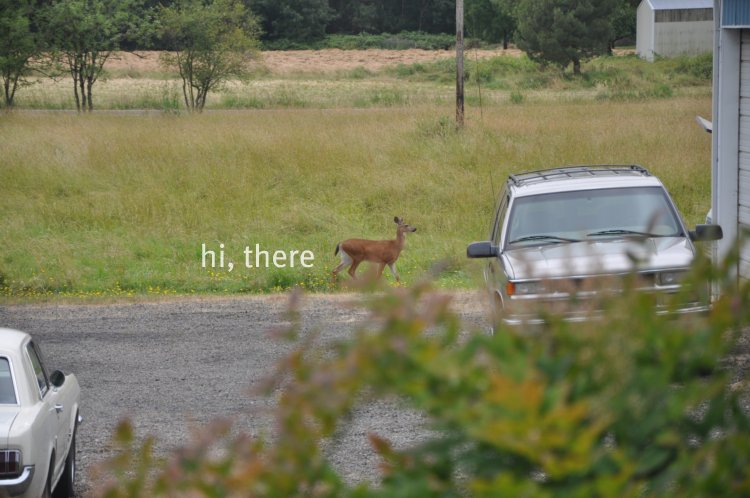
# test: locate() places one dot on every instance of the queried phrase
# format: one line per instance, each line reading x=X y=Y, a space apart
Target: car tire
x=66 y=486
x=47 y=491
x=496 y=314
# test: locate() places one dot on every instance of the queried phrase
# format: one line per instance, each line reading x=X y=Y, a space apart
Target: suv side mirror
x=706 y=233
x=481 y=250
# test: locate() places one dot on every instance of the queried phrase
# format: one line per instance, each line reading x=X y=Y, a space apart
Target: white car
x=38 y=421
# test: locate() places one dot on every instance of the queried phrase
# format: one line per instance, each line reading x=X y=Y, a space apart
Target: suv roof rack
x=577 y=172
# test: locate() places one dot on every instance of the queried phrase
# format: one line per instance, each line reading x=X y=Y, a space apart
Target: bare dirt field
x=318 y=61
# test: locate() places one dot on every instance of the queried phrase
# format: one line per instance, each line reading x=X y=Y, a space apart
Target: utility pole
x=459 y=63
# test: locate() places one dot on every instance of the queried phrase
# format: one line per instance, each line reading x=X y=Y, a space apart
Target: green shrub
x=634 y=404
x=516 y=97
x=661 y=91
x=700 y=67
x=443 y=127
x=359 y=73
x=382 y=97
x=170 y=98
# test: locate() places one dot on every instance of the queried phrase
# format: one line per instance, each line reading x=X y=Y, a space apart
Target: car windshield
x=592 y=215
x=7 y=391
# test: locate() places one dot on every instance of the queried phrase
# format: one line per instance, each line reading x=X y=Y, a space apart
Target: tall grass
x=498 y=79
x=122 y=203
x=620 y=77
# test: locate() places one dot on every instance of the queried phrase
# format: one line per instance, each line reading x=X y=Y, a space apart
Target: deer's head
x=403 y=227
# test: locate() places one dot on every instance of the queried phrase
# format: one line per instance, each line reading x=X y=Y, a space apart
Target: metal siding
x=680 y=4
x=684 y=15
x=745 y=68
x=743 y=177
x=683 y=38
x=744 y=267
x=735 y=13
x=744 y=193
x=744 y=216
x=744 y=128
x=745 y=260
x=644 y=38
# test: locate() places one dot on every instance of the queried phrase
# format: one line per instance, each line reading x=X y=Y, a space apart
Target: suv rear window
x=7 y=391
x=580 y=214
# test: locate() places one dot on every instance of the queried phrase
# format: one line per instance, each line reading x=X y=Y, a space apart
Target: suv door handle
x=59 y=408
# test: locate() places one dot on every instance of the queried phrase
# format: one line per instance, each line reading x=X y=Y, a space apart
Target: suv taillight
x=10 y=463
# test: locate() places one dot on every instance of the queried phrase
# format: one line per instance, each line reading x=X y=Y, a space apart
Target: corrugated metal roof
x=680 y=4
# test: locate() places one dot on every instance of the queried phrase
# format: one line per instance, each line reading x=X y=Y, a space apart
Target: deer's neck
x=400 y=239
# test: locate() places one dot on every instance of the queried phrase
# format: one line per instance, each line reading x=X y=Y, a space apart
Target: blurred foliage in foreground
x=632 y=405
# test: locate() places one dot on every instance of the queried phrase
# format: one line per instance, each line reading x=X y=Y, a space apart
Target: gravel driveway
x=172 y=366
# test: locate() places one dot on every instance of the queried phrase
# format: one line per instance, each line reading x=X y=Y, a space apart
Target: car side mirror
x=481 y=250
x=57 y=378
x=706 y=233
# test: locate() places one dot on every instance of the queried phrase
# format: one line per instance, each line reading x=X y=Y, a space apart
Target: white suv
x=561 y=235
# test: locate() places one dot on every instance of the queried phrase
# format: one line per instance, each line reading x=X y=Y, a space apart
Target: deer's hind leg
x=346 y=260
x=353 y=268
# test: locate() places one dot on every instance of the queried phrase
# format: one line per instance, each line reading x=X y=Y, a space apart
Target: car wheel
x=66 y=486
x=496 y=312
x=46 y=492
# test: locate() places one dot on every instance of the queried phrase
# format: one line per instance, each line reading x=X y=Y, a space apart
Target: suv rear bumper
x=516 y=320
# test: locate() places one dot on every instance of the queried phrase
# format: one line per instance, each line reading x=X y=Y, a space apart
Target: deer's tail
x=337 y=249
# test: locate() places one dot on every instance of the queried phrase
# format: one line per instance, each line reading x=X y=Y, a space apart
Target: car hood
x=7 y=416
x=605 y=256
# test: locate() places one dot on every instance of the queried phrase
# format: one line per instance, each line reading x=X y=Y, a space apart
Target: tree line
x=210 y=41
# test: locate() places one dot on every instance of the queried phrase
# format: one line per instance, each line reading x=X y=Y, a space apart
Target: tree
x=209 y=44
x=564 y=31
x=380 y=16
x=294 y=20
x=490 y=20
x=623 y=21
x=83 y=35
x=19 y=44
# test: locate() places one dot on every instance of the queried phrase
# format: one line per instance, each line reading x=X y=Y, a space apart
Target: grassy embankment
x=119 y=205
x=490 y=81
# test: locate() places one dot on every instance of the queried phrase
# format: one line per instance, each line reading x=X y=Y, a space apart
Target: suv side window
x=42 y=379
x=497 y=227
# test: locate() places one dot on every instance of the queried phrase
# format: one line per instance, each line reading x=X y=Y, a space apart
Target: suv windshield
x=592 y=214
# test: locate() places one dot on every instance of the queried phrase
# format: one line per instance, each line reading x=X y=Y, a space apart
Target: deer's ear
x=396 y=219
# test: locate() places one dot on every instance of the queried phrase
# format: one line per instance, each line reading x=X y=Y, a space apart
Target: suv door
x=494 y=273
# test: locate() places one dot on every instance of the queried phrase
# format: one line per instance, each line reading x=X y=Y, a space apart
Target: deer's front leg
x=392 y=267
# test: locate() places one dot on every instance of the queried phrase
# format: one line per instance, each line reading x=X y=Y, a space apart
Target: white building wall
x=683 y=38
x=644 y=40
x=743 y=183
x=725 y=147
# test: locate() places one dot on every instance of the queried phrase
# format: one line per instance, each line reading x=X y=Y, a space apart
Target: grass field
x=120 y=204
x=383 y=78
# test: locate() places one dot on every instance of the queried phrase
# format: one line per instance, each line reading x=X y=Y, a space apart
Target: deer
x=381 y=252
